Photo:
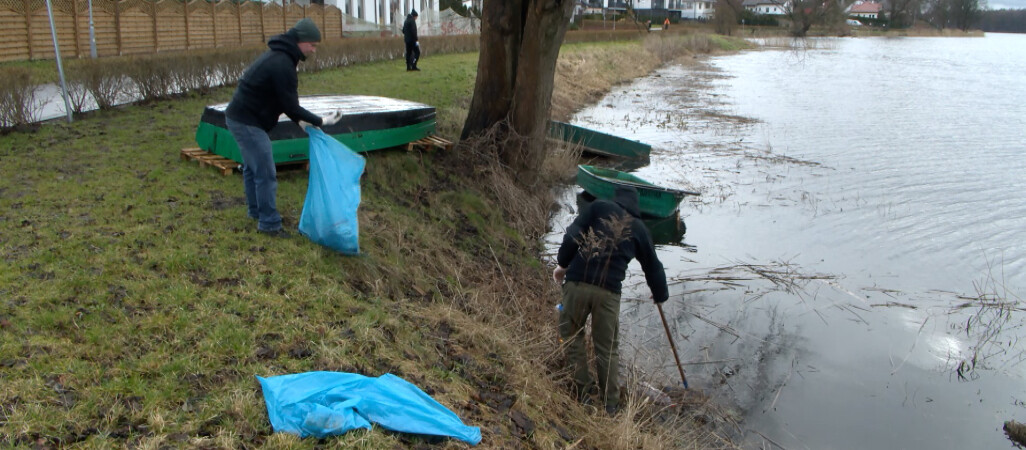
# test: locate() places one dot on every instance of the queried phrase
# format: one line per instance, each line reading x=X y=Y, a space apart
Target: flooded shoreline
x=820 y=289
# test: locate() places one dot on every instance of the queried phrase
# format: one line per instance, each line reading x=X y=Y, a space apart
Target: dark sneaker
x=279 y=233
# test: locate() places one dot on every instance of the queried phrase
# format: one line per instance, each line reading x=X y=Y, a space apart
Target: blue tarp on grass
x=321 y=404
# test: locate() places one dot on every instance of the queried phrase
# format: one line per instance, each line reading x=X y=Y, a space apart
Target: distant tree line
x=1004 y=21
x=961 y=14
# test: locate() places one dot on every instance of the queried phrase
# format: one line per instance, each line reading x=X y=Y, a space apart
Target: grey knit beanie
x=306 y=31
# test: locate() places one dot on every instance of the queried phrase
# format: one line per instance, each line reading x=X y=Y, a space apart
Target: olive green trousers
x=579 y=301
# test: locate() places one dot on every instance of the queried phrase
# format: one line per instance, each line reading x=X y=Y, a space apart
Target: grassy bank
x=137 y=302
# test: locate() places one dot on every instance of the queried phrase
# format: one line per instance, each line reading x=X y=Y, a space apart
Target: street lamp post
x=57 y=54
x=92 y=33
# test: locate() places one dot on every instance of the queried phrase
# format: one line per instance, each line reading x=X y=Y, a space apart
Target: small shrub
x=190 y=72
x=600 y=35
x=228 y=65
x=78 y=94
x=153 y=76
x=18 y=103
x=671 y=46
x=102 y=78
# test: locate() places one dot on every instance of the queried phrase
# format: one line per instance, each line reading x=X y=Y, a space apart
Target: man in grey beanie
x=267 y=89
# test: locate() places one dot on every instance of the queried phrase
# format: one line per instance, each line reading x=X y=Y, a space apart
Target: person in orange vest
x=666 y=24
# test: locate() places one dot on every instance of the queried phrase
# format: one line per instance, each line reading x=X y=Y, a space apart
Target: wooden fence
x=129 y=27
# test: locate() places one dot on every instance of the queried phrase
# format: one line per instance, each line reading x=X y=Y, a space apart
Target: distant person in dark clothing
x=412 y=42
x=593 y=260
x=268 y=88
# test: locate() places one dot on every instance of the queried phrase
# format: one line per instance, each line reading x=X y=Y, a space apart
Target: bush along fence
x=131 y=27
x=104 y=83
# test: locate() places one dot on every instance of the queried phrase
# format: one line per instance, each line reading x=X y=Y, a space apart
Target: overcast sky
x=1006 y=4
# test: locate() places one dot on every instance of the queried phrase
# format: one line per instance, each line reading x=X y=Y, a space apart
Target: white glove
x=331 y=119
x=327 y=120
x=558 y=274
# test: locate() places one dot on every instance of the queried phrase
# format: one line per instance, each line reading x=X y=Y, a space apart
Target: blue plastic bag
x=332 y=195
x=321 y=404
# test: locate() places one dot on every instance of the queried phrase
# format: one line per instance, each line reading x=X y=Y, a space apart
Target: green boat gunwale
x=655 y=200
x=597 y=142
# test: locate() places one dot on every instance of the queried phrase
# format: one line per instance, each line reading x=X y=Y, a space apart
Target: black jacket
x=269 y=87
x=410 y=29
x=604 y=238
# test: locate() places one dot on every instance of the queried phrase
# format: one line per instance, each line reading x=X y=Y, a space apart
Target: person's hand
x=331 y=119
x=558 y=274
x=659 y=302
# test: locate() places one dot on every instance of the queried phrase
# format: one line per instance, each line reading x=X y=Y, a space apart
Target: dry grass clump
x=650 y=418
x=561 y=160
x=1016 y=432
x=584 y=75
x=525 y=205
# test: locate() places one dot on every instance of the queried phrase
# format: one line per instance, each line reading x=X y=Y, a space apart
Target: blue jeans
x=259 y=176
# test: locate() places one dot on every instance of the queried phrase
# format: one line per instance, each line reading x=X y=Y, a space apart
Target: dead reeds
x=993 y=326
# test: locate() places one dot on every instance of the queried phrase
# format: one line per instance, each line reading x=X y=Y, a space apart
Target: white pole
x=92 y=32
x=60 y=68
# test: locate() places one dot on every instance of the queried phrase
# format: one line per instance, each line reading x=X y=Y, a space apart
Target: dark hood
x=288 y=43
x=627 y=198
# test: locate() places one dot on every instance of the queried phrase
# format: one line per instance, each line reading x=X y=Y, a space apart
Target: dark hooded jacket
x=269 y=87
x=410 y=29
x=602 y=241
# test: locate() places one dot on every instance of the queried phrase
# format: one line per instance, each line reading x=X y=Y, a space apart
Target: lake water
x=852 y=276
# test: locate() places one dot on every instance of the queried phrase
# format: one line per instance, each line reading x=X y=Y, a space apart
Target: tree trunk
x=520 y=42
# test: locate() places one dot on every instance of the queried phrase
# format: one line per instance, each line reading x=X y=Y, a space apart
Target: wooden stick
x=673 y=346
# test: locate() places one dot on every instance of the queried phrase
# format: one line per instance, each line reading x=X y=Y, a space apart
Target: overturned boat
x=368 y=123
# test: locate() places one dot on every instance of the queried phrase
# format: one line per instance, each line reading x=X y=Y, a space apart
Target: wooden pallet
x=205 y=158
x=430 y=142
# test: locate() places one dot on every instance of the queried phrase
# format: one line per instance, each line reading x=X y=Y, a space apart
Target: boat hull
x=664 y=230
x=598 y=143
x=368 y=123
x=654 y=201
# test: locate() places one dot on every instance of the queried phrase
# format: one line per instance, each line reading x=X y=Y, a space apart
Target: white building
x=683 y=9
x=386 y=12
x=870 y=10
x=767 y=7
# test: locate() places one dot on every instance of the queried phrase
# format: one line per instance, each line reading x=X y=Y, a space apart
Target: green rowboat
x=655 y=201
x=598 y=143
x=368 y=123
x=664 y=230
